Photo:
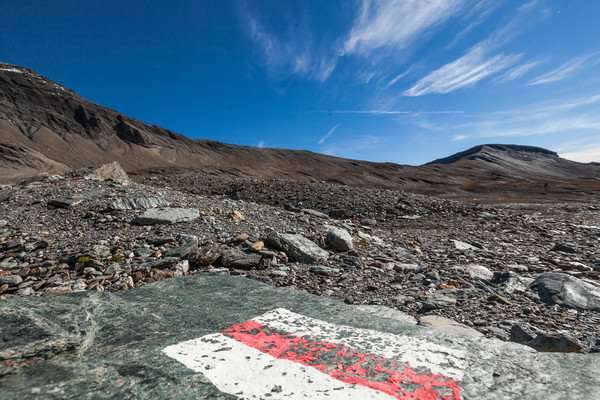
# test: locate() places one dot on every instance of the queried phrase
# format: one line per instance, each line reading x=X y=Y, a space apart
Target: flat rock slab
x=138 y=203
x=297 y=247
x=448 y=325
x=567 y=291
x=226 y=337
x=167 y=216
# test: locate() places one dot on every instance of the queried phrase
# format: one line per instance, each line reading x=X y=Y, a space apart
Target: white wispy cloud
x=459 y=137
x=396 y=79
x=517 y=72
x=476 y=15
x=466 y=71
x=584 y=155
x=261 y=144
x=392 y=23
x=568 y=69
x=352 y=147
x=576 y=116
x=480 y=62
x=393 y=112
x=322 y=140
x=295 y=54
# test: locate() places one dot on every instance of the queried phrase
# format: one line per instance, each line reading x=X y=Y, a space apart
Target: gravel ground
x=476 y=264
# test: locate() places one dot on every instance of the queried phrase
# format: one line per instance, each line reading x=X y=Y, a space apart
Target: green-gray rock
x=112 y=345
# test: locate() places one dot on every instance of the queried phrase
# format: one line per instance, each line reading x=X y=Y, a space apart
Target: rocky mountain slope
x=47 y=127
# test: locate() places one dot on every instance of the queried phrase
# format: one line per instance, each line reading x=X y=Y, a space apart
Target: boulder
x=164 y=216
x=441 y=299
x=297 y=247
x=239 y=259
x=188 y=245
x=567 y=291
x=111 y=171
x=340 y=239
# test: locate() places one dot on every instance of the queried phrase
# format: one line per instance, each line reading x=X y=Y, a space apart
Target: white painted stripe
x=412 y=351
x=248 y=373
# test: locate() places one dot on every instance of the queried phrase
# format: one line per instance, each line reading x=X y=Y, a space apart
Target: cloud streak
x=328 y=134
x=393 y=112
x=284 y=57
x=464 y=72
x=568 y=69
x=391 y=23
x=517 y=72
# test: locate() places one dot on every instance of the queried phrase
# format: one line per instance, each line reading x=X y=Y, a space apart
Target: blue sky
x=404 y=81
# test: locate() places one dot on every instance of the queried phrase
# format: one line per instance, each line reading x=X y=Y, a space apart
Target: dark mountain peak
x=489 y=153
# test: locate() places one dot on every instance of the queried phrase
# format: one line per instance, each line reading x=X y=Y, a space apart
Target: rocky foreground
x=527 y=273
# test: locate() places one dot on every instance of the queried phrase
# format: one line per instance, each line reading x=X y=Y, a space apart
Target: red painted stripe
x=346 y=364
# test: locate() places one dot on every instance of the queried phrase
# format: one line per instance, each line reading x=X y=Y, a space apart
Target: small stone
x=206 y=255
x=463 y=246
x=113 y=269
x=257 y=246
x=64 y=202
x=479 y=272
x=237 y=216
x=563 y=248
x=11 y=280
x=28 y=291
x=315 y=213
x=368 y=222
x=324 y=270
x=189 y=244
x=240 y=238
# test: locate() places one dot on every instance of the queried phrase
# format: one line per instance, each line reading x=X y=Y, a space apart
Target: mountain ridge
x=45 y=127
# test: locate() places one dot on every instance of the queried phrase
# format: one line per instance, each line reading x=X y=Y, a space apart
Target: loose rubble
x=527 y=273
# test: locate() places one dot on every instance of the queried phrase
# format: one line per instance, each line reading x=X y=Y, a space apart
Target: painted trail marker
x=284 y=355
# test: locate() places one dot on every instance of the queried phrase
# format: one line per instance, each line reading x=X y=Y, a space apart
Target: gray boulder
x=567 y=291
x=340 y=239
x=111 y=171
x=441 y=299
x=165 y=216
x=138 y=203
x=297 y=247
x=133 y=344
x=189 y=244
x=239 y=259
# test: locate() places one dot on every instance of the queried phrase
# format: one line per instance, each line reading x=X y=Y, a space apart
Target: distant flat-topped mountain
x=526 y=162
x=45 y=127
